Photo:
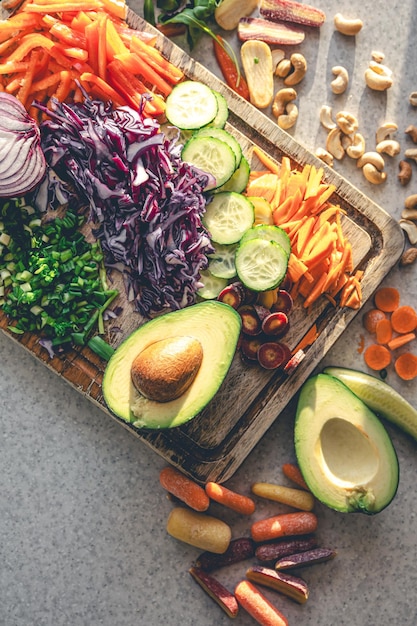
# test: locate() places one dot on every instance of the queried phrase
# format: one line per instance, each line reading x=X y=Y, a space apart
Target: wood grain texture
x=213 y=445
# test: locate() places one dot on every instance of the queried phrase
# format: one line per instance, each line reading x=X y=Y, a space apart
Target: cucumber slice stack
x=201 y=114
x=255 y=255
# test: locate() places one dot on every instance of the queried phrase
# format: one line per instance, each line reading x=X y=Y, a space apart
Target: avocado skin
x=343 y=450
x=214 y=324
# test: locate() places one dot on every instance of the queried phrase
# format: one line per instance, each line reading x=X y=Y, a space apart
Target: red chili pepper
x=229 y=70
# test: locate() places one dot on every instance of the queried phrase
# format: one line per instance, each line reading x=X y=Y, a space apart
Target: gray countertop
x=82 y=515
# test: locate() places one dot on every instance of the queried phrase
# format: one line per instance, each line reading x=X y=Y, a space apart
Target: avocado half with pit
x=343 y=450
x=168 y=370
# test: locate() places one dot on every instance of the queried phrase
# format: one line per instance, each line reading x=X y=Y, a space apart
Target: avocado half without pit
x=343 y=450
x=169 y=369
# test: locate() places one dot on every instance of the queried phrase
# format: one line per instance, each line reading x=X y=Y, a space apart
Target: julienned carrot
x=235 y=501
x=82 y=36
x=383 y=331
x=258 y=606
x=266 y=160
x=387 y=299
x=406 y=366
x=300 y=204
x=183 y=488
x=293 y=473
x=285 y=524
x=404 y=319
x=377 y=357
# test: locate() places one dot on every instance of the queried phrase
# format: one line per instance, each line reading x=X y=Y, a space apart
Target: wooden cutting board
x=215 y=443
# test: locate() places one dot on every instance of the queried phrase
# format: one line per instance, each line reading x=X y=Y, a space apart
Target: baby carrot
x=297 y=498
x=184 y=489
x=293 y=472
x=231 y=499
x=299 y=523
x=258 y=606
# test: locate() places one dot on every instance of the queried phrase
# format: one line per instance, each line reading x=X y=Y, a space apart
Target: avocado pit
x=165 y=369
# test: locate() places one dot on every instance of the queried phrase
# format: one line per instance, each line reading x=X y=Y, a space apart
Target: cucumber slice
x=222 y=111
x=212 y=285
x=212 y=156
x=228 y=216
x=271 y=233
x=261 y=264
x=223 y=135
x=239 y=180
x=191 y=105
x=222 y=260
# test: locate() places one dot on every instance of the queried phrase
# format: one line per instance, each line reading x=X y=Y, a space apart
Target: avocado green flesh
x=343 y=450
x=214 y=324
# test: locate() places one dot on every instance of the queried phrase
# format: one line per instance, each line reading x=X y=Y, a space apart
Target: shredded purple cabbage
x=145 y=203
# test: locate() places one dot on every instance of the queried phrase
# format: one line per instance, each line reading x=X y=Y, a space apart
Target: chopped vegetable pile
x=50 y=48
x=145 y=202
x=52 y=279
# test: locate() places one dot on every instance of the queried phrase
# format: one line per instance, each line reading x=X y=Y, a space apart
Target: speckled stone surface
x=82 y=516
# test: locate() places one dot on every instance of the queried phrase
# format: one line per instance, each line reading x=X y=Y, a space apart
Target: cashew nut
x=357 y=146
x=281 y=100
x=408 y=257
x=377 y=81
x=411 y=153
x=411 y=202
x=347 y=26
x=411 y=131
x=288 y=119
x=385 y=131
x=404 y=175
x=373 y=175
x=377 y=56
x=409 y=214
x=347 y=122
x=388 y=146
x=374 y=158
x=283 y=68
x=379 y=68
x=299 y=64
x=340 y=83
x=413 y=98
x=326 y=119
x=325 y=156
x=277 y=56
x=334 y=144
x=411 y=229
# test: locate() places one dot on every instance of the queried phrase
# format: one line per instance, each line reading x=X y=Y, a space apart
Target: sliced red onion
x=22 y=162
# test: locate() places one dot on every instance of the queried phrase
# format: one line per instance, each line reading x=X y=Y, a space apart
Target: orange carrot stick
x=184 y=489
x=235 y=501
x=401 y=340
x=266 y=160
x=299 y=523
